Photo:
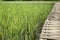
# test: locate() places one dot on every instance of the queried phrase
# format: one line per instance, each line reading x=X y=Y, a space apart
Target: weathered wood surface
x=51 y=28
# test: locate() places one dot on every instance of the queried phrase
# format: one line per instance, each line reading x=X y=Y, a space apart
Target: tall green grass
x=22 y=21
x=30 y=0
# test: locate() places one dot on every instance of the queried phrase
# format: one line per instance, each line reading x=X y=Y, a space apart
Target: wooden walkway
x=51 y=28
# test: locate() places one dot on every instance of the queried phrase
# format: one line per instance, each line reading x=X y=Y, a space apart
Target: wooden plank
x=51 y=27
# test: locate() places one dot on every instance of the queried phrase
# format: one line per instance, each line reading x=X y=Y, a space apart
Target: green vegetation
x=22 y=21
x=30 y=0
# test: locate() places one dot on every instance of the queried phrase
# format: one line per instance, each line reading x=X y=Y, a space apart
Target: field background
x=30 y=0
x=22 y=21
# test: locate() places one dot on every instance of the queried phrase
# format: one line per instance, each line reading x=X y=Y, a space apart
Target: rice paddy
x=22 y=21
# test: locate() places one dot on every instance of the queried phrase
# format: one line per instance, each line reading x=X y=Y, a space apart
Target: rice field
x=20 y=21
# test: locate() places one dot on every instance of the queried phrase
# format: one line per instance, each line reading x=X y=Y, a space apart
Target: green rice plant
x=19 y=21
x=29 y=0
